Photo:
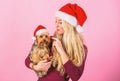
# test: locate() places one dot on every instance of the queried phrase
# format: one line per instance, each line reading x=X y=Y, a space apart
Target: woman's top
x=70 y=69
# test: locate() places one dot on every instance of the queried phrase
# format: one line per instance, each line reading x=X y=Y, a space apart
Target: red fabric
x=27 y=62
x=75 y=11
x=38 y=28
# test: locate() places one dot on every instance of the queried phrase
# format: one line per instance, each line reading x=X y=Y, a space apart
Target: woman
x=71 y=48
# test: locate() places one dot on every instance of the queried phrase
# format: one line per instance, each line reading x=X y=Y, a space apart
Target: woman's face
x=59 y=27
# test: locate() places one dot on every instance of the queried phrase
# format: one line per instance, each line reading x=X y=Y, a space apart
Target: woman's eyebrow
x=59 y=20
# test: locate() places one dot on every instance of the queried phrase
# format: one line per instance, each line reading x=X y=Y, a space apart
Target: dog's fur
x=40 y=51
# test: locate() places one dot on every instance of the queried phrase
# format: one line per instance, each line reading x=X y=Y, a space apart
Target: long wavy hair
x=73 y=45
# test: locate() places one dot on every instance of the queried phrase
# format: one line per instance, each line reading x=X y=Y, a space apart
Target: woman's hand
x=58 y=45
x=42 y=66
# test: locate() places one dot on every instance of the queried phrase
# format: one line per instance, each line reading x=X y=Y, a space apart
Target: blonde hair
x=73 y=45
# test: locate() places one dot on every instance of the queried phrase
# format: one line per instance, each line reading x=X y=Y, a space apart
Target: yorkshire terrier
x=40 y=51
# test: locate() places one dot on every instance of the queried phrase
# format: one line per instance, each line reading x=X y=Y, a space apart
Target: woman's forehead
x=58 y=19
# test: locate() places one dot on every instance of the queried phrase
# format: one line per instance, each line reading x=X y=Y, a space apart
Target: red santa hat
x=40 y=29
x=73 y=14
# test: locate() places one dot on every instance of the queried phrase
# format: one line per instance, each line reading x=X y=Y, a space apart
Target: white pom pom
x=33 y=38
x=79 y=29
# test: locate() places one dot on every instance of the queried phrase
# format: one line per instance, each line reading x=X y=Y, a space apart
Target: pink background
x=19 y=18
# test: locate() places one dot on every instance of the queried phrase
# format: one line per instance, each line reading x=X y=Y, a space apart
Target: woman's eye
x=60 y=22
x=55 y=21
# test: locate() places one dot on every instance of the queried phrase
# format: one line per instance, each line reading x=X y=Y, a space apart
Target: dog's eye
x=41 y=36
x=46 y=36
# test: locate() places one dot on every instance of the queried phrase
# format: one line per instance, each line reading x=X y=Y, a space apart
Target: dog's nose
x=44 y=40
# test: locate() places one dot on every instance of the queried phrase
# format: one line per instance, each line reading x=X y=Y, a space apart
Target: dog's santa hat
x=73 y=14
x=40 y=29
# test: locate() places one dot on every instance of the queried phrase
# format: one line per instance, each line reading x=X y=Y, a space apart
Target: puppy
x=40 y=51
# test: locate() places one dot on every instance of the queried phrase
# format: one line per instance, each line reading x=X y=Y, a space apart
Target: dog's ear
x=50 y=45
x=35 y=42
